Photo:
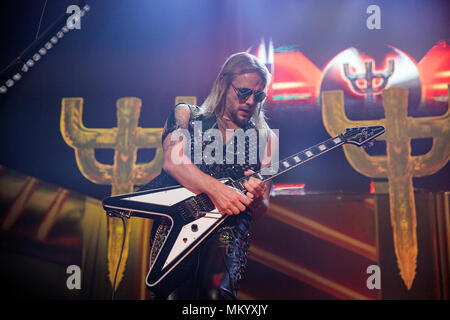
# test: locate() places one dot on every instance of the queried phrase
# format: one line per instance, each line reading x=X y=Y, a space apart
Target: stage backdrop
x=67 y=121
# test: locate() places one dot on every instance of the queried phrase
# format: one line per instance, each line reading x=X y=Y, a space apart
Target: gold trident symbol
x=125 y=139
x=398 y=166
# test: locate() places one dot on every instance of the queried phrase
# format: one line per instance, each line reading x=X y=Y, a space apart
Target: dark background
x=157 y=50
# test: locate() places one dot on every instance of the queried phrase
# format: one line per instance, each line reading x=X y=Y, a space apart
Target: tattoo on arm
x=178 y=119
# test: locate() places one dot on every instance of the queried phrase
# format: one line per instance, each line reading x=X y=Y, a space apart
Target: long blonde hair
x=236 y=64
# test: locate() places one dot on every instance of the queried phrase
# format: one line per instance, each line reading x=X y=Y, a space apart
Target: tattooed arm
x=181 y=168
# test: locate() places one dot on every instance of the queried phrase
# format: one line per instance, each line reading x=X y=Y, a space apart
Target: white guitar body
x=184 y=234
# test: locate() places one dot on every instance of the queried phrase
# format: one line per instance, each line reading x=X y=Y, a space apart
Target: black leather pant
x=214 y=270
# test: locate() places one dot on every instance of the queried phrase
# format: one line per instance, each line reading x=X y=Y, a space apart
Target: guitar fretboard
x=292 y=161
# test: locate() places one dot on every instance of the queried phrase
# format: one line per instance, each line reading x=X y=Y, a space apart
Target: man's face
x=239 y=110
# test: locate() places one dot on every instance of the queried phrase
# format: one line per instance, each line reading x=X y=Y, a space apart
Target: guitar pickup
x=194 y=208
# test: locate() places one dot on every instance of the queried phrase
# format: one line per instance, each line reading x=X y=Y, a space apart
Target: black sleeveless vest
x=217 y=169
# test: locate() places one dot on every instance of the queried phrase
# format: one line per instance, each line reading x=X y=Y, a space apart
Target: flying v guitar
x=193 y=217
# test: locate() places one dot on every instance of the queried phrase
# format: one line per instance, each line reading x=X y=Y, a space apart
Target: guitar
x=193 y=217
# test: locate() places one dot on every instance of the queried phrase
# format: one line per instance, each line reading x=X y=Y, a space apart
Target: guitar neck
x=291 y=162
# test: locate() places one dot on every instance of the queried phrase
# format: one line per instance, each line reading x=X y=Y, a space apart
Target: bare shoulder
x=182 y=108
x=179 y=119
x=182 y=115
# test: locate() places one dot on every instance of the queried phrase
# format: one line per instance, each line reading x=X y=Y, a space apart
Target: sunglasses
x=245 y=93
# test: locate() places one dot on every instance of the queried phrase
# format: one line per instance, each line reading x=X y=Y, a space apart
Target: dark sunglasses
x=245 y=93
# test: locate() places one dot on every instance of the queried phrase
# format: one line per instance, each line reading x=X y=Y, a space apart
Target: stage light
x=288 y=85
x=287 y=189
x=30 y=63
x=41 y=52
x=36 y=57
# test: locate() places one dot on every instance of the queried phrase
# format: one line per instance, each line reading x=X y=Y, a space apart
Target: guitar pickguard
x=191 y=232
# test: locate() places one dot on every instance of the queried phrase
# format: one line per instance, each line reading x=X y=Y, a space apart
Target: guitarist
x=213 y=270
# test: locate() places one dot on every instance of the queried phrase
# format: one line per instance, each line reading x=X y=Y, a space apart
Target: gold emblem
x=124 y=173
x=398 y=166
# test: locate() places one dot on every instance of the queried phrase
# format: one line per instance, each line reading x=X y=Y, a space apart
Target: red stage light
x=435 y=76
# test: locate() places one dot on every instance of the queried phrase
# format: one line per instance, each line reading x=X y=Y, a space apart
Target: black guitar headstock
x=362 y=136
